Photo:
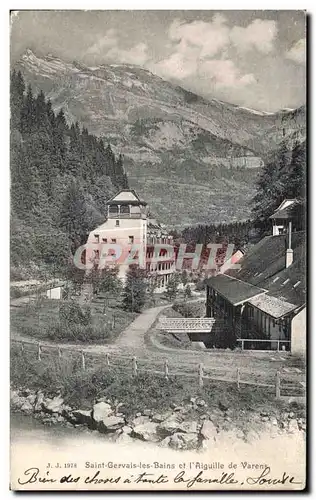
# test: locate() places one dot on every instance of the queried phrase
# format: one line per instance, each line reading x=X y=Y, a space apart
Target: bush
x=53 y=375
x=72 y=313
x=200 y=285
x=75 y=332
x=16 y=292
x=187 y=310
x=187 y=292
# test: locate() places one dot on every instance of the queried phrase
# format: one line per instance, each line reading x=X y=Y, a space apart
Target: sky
x=254 y=59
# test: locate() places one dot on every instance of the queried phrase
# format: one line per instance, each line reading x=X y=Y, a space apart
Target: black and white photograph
x=158 y=217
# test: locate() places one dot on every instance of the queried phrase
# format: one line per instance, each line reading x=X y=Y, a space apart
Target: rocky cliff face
x=194 y=160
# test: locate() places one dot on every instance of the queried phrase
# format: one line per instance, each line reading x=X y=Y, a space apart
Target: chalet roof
x=126 y=202
x=126 y=196
x=264 y=266
x=284 y=210
x=282 y=214
x=233 y=290
x=271 y=305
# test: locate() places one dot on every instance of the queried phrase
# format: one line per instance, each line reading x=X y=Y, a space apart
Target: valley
x=188 y=156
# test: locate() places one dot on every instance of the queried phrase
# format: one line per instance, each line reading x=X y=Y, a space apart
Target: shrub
x=16 y=292
x=187 y=310
x=72 y=313
x=187 y=292
x=200 y=285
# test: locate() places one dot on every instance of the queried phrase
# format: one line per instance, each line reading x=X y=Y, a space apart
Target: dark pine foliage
x=61 y=177
x=235 y=232
x=283 y=176
x=134 y=295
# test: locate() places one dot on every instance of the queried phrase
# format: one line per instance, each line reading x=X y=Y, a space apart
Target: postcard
x=158 y=250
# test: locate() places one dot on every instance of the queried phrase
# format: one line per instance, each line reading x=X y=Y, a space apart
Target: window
x=113 y=209
x=124 y=209
x=97 y=237
x=131 y=239
x=105 y=240
x=251 y=312
x=117 y=222
x=113 y=240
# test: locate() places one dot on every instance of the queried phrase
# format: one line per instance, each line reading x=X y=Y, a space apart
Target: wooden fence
x=272 y=344
x=279 y=384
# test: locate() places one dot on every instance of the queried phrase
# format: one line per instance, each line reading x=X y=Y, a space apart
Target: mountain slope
x=193 y=160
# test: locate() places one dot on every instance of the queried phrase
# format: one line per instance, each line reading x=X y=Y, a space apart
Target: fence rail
x=283 y=343
x=291 y=384
x=186 y=324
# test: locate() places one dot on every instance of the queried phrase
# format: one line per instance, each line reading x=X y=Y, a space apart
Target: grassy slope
x=36 y=318
x=80 y=389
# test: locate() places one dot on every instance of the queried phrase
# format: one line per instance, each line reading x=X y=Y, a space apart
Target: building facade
x=130 y=235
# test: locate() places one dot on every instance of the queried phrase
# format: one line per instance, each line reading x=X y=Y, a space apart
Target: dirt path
x=134 y=334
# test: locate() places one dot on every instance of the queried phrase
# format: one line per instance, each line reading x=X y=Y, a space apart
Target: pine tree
x=296 y=186
x=172 y=287
x=28 y=115
x=74 y=218
x=134 y=295
x=120 y=178
x=281 y=178
x=17 y=88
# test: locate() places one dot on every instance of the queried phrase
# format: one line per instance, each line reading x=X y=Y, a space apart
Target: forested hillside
x=61 y=177
x=236 y=232
x=283 y=176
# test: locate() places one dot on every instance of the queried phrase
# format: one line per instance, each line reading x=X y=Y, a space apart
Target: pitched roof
x=284 y=210
x=264 y=266
x=271 y=305
x=126 y=196
x=234 y=290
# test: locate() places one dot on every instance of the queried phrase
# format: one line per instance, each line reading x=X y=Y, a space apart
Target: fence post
x=83 y=361
x=277 y=385
x=242 y=345
x=238 y=378
x=39 y=352
x=201 y=374
x=134 y=366
x=22 y=347
x=59 y=352
x=107 y=358
x=166 y=369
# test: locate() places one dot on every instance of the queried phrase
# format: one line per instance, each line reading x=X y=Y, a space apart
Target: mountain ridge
x=170 y=137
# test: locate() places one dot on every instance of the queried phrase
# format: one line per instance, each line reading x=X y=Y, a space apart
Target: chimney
x=289 y=251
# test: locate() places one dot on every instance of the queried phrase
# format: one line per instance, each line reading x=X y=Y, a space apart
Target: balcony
x=127 y=216
x=161 y=272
